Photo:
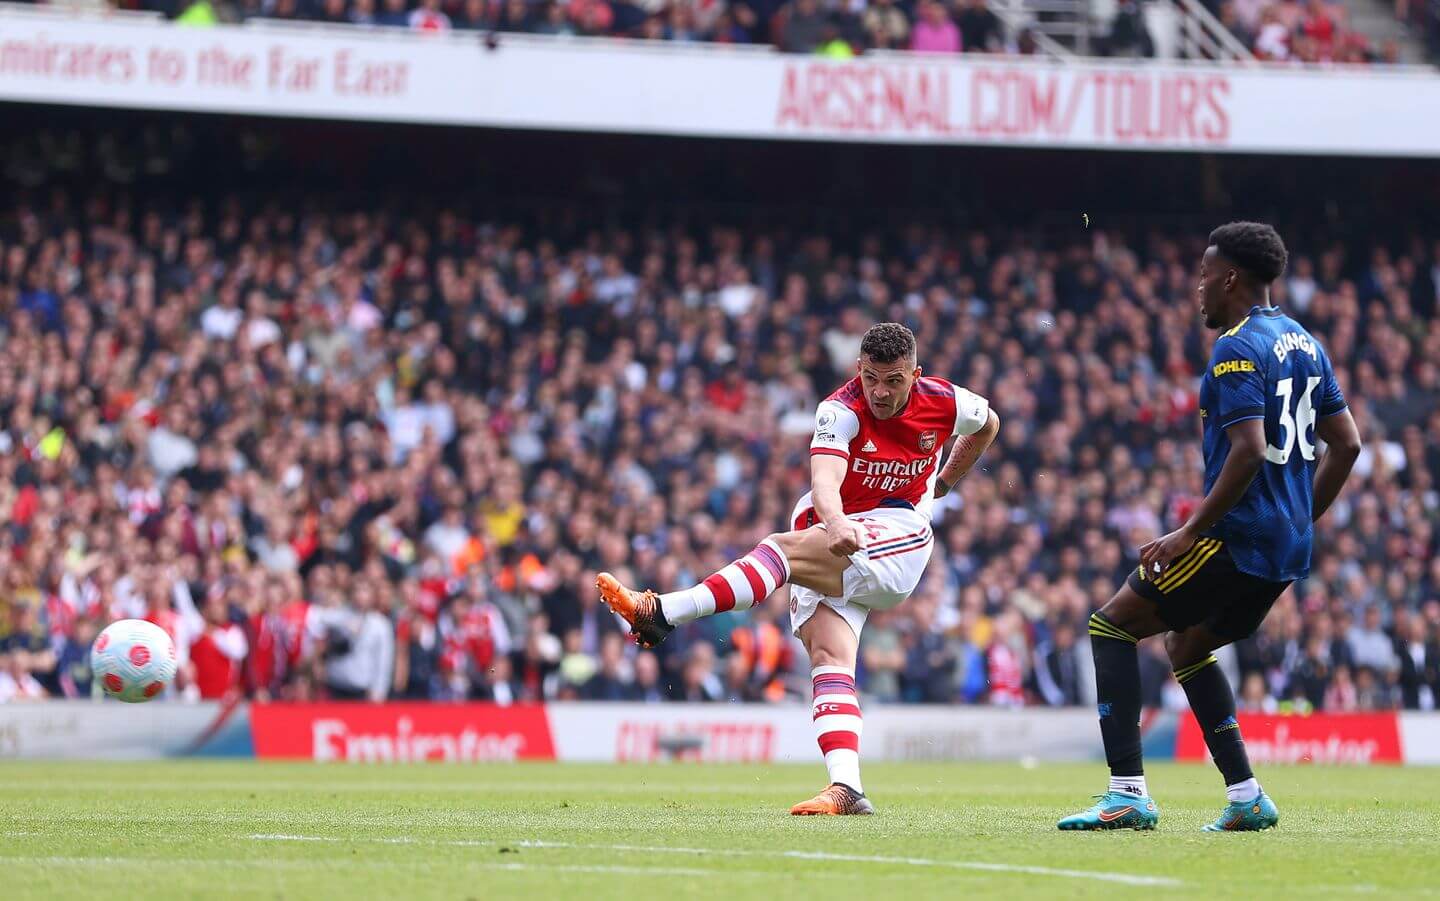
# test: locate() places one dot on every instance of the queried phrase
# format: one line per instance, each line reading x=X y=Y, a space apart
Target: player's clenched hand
x=1158 y=554
x=846 y=537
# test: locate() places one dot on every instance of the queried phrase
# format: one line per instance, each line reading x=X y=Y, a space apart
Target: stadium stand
x=1288 y=31
x=352 y=447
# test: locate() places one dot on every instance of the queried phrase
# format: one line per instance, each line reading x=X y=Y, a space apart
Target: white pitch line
x=1120 y=878
x=60 y=860
x=293 y=838
x=610 y=868
x=402 y=840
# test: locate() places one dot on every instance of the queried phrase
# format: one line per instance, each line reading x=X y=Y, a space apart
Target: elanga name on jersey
x=894 y=459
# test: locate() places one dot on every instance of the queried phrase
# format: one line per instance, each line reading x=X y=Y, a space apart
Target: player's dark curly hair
x=886 y=342
x=1254 y=247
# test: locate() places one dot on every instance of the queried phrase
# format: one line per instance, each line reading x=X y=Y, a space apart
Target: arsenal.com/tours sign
x=990 y=103
x=532 y=82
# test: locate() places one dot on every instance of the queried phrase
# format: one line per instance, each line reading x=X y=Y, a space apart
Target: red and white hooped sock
x=838 y=724
x=739 y=586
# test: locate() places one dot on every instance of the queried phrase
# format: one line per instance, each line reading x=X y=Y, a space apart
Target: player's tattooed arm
x=1247 y=454
x=965 y=454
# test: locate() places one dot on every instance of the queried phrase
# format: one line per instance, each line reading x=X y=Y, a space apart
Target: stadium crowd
x=354 y=454
x=1312 y=31
x=796 y=26
x=1303 y=31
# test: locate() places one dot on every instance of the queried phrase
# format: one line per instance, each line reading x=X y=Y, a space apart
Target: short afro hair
x=1254 y=247
x=887 y=342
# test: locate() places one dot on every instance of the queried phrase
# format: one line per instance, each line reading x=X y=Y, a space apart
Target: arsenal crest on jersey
x=927 y=441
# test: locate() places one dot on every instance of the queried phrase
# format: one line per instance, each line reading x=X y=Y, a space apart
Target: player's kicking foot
x=1247 y=816
x=836 y=801
x=1115 y=810
x=641 y=609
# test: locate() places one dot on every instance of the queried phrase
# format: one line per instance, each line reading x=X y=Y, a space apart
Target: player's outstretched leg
x=641 y=609
x=738 y=586
x=1213 y=703
x=1126 y=804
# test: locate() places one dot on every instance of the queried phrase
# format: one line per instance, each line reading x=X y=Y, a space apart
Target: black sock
x=1117 y=689
x=1214 y=704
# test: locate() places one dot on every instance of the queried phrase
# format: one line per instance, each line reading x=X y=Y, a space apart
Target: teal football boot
x=1247 y=816
x=1115 y=810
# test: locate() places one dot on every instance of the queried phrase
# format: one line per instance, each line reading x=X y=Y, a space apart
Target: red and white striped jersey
x=894 y=459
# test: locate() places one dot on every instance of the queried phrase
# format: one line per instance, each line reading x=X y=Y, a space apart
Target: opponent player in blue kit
x=1267 y=394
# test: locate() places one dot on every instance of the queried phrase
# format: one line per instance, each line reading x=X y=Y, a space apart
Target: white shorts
x=898 y=542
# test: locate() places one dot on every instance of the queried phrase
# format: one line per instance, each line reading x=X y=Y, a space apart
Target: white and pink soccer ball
x=133 y=660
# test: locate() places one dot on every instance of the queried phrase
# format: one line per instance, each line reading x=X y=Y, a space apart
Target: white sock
x=687 y=605
x=1131 y=785
x=836 y=712
x=739 y=586
x=1243 y=791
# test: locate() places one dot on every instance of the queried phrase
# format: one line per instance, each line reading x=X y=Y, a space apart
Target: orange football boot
x=641 y=609
x=836 y=801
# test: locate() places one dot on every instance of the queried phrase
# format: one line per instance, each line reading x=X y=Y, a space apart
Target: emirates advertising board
x=1347 y=738
x=363 y=733
x=530 y=82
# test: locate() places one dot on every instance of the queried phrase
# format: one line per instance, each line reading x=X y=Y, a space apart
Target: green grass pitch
x=199 y=829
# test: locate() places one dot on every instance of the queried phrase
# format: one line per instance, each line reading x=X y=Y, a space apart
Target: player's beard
x=1211 y=315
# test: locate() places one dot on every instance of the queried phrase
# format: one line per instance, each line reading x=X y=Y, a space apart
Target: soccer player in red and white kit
x=860 y=541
